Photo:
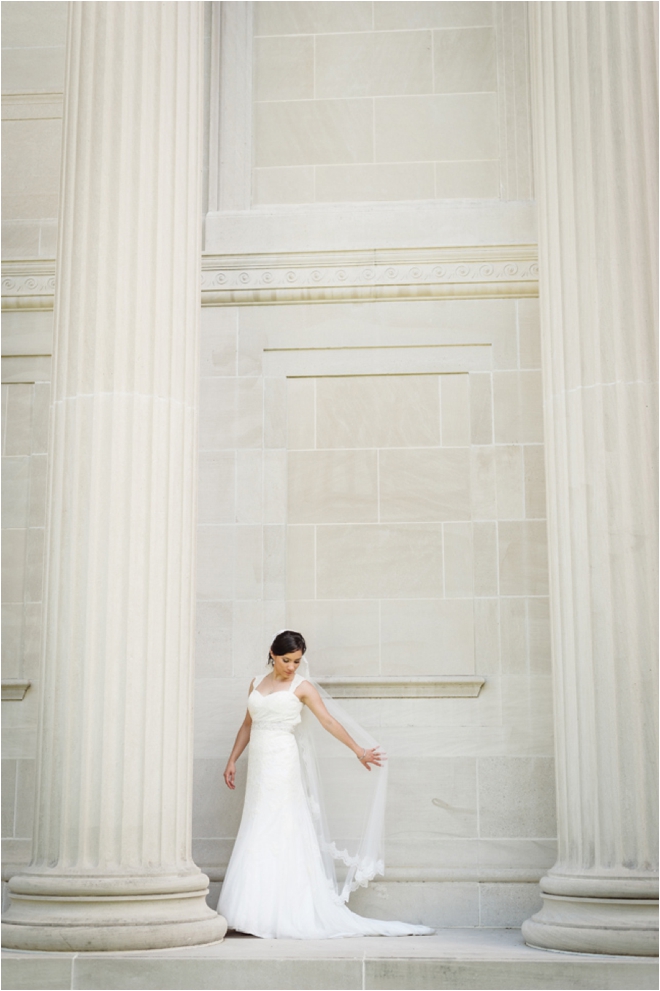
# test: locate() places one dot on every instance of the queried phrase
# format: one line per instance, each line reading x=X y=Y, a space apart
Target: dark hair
x=287 y=642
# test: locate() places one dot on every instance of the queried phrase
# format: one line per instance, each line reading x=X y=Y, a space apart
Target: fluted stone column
x=112 y=866
x=595 y=124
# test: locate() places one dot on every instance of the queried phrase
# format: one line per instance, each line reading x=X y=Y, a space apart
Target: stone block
x=311 y=18
x=216 y=487
x=215 y=558
x=482 y=483
x=248 y=562
x=45 y=972
x=249 y=486
x=374 y=182
x=25 y=795
x=213 y=644
x=429 y=903
x=523 y=558
x=284 y=68
x=231 y=413
x=27 y=332
x=534 y=468
x=513 y=635
x=313 y=132
x=508 y=905
x=381 y=561
x=38 y=480
x=427 y=637
x=509 y=481
x=486 y=646
x=373 y=64
x=250 y=639
x=8 y=796
x=18 y=438
x=458 y=560
x=12 y=639
x=275 y=413
x=215 y=809
x=342 y=637
x=218 y=340
x=517 y=399
x=389 y=16
x=529 y=333
x=424 y=485
x=274 y=563
x=14 y=544
x=516 y=797
x=40 y=417
x=333 y=486
x=15 y=489
x=20 y=239
x=289 y=184
x=464 y=61
x=447 y=127
x=467 y=180
x=34 y=564
x=37 y=25
x=275 y=486
x=31 y=165
x=455 y=410
x=38 y=70
x=538 y=636
x=301 y=414
x=484 y=539
x=300 y=562
x=481 y=413
x=377 y=411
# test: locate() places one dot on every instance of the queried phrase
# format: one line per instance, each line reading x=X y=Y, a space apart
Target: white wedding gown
x=275 y=886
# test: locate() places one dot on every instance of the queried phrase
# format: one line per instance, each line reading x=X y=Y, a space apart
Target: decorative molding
x=28 y=284
x=32 y=106
x=14 y=689
x=326 y=276
x=406 y=273
x=449 y=686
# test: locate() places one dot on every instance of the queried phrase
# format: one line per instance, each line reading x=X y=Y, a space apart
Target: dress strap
x=297 y=680
x=259 y=678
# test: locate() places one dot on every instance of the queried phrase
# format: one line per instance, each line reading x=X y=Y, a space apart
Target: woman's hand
x=375 y=757
x=230 y=775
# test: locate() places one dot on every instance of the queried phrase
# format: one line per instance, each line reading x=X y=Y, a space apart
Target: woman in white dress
x=280 y=881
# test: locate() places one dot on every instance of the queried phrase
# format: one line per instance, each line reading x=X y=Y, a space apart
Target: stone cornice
x=325 y=276
x=14 y=689
x=448 y=686
x=335 y=276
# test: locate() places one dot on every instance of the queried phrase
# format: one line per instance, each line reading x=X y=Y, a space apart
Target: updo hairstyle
x=287 y=642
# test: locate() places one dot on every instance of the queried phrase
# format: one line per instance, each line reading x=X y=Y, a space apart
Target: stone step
x=453 y=959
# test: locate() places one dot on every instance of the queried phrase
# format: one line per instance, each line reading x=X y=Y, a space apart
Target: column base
x=69 y=913
x=597 y=921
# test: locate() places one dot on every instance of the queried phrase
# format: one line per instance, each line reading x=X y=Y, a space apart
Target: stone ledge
x=448 y=686
x=452 y=959
x=14 y=689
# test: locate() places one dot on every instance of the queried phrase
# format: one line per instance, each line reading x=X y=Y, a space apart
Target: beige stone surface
x=464 y=61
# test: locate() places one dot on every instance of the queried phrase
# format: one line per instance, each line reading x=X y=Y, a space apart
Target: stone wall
x=371 y=460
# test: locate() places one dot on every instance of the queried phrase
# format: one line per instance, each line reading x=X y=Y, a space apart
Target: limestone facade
x=371 y=464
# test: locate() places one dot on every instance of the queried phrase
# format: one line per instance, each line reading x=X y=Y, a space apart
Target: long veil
x=347 y=802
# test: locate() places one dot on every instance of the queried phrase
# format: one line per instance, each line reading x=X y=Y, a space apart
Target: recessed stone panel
x=379 y=561
x=425 y=485
x=332 y=486
x=378 y=411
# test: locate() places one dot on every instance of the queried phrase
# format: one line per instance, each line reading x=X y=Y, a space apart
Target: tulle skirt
x=275 y=885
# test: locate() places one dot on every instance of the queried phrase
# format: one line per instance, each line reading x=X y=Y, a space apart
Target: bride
x=281 y=881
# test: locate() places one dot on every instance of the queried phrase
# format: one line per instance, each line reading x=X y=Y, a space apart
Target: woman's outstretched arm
x=241 y=742
x=309 y=695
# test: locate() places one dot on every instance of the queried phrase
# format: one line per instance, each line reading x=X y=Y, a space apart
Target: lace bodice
x=280 y=710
